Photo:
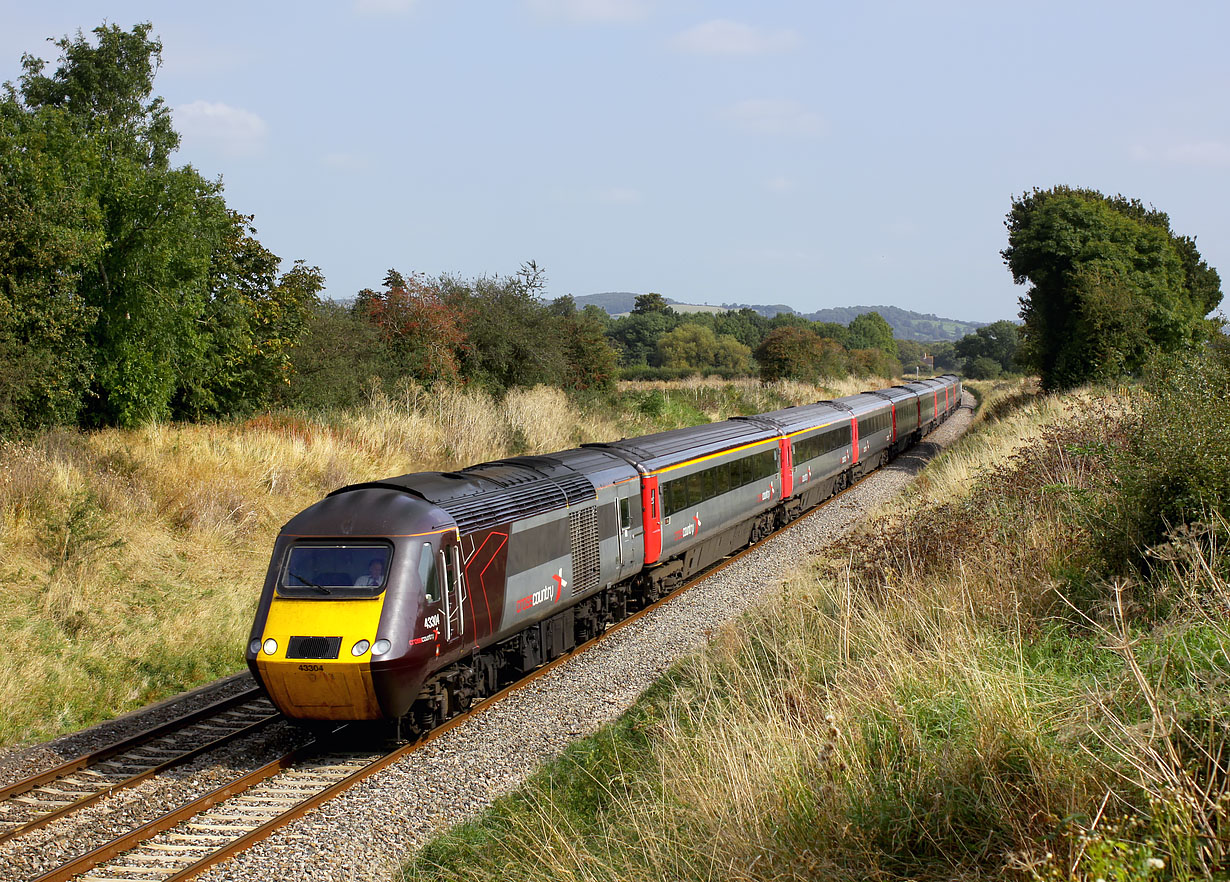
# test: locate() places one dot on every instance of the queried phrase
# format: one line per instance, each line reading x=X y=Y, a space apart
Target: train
x=410 y=598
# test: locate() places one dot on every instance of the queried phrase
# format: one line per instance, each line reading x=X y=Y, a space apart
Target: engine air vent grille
x=313 y=647
x=586 y=563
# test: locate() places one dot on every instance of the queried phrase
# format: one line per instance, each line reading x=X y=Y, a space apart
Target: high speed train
x=411 y=597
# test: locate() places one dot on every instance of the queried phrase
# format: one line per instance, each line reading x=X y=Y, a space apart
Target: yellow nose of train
x=315 y=657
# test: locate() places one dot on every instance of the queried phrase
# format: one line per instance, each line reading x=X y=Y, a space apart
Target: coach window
x=710 y=484
x=696 y=489
x=723 y=478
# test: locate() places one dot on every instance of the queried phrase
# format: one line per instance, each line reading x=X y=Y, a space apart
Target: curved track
x=192 y=837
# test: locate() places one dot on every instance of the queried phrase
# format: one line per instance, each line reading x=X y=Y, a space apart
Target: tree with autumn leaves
x=495 y=332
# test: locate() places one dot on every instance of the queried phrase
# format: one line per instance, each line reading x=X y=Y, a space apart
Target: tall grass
x=968 y=688
x=130 y=560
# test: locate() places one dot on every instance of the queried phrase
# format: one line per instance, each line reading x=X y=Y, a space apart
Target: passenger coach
x=410 y=597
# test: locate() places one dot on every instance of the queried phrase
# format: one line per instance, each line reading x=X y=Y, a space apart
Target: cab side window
x=427 y=573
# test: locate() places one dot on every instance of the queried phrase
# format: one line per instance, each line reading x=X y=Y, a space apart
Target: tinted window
x=427 y=574
x=352 y=570
x=696 y=489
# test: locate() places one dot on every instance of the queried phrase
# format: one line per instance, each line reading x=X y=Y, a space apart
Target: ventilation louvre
x=313 y=647
x=586 y=561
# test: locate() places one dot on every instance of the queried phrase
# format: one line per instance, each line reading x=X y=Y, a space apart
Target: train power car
x=409 y=598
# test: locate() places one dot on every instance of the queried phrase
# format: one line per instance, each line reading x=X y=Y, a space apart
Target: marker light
x=381 y=646
x=359 y=648
x=271 y=646
x=255 y=646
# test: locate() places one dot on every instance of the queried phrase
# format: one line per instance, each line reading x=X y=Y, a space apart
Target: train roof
x=863 y=402
x=804 y=416
x=493 y=493
x=894 y=393
x=679 y=445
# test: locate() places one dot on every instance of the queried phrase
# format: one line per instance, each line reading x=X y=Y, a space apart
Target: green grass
x=973 y=687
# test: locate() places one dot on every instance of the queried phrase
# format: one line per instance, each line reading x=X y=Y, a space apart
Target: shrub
x=1175 y=468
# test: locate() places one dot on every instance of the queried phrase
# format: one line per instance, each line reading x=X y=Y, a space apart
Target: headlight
x=255 y=646
x=359 y=648
x=271 y=646
x=381 y=646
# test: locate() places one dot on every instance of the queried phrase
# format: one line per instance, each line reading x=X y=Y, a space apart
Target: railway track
x=190 y=838
x=185 y=841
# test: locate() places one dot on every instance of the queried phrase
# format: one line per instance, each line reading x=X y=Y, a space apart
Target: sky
x=815 y=154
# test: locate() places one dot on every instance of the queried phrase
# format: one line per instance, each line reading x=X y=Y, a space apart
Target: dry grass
x=130 y=561
x=950 y=694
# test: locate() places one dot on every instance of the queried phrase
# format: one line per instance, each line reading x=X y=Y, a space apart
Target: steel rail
x=144 y=736
x=75 y=806
x=125 y=842
x=316 y=748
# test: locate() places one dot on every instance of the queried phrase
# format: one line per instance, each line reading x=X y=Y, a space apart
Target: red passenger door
x=787 y=467
x=651 y=516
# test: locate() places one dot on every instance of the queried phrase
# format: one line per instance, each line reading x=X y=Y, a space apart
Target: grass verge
x=976 y=685
x=130 y=561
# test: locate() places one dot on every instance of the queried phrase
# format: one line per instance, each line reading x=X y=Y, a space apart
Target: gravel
x=19 y=762
x=369 y=831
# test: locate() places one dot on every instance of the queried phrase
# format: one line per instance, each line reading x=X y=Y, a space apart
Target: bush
x=1175 y=467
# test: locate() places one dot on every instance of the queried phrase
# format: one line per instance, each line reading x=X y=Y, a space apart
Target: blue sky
x=810 y=153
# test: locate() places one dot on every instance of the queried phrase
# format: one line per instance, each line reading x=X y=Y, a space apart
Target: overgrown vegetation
x=1111 y=285
x=131 y=560
x=981 y=684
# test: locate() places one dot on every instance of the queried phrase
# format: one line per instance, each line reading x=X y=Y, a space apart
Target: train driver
x=375 y=574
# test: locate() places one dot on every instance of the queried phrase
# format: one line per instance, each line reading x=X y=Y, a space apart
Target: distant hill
x=906 y=324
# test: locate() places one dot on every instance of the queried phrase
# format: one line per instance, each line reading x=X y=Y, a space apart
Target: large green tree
x=870 y=330
x=994 y=344
x=151 y=298
x=1110 y=284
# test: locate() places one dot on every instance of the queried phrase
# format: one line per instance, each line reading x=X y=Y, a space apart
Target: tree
x=694 y=347
x=50 y=228
x=997 y=342
x=791 y=352
x=636 y=335
x=592 y=362
x=511 y=337
x=338 y=359
x=131 y=292
x=873 y=363
x=1110 y=285
x=652 y=302
x=870 y=331
x=421 y=331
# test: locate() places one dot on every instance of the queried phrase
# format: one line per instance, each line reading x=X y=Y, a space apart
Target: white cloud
x=588 y=11
x=774 y=116
x=724 y=37
x=619 y=196
x=230 y=130
x=384 y=7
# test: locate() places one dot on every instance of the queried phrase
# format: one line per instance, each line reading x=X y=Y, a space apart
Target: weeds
x=132 y=560
x=984 y=682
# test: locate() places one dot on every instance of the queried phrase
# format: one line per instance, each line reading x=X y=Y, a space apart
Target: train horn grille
x=313 y=647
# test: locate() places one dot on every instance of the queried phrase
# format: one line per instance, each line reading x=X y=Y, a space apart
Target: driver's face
x=375 y=569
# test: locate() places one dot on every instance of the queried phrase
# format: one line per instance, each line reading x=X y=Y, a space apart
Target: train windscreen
x=349 y=570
